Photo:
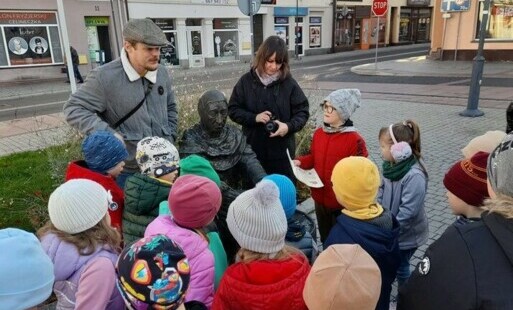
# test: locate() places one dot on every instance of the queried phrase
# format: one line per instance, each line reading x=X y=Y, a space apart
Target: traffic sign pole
x=376 y=55
x=250 y=3
x=379 y=8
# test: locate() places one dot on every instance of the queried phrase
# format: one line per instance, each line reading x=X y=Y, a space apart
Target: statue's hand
x=263 y=117
x=283 y=129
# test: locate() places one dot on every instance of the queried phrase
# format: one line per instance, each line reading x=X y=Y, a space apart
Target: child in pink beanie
x=194 y=202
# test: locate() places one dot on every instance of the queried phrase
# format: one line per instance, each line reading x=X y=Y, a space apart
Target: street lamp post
x=477 y=69
x=296 y=30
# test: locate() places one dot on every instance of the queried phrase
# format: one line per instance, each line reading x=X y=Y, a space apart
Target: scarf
x=346 y=127
x=396 y=171
x=267 y=79
x=370 y=212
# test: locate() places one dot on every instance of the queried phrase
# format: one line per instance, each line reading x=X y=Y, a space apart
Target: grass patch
x=28 y=179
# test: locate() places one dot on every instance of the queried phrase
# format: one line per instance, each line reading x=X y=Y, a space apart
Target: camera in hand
x=271 y=126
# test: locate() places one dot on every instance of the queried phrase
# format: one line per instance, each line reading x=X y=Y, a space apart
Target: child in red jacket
x=104 y=156
x=337 y=139
x=267 y=274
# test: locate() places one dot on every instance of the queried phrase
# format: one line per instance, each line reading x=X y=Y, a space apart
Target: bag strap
x=137 y=107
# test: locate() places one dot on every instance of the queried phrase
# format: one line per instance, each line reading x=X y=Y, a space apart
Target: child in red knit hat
x=466 y=187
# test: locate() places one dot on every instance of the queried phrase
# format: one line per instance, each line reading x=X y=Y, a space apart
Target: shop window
x=405 y=26
x=315 y=32
x=281 y=28
x=31 y=38
x=344 y=27
x=500 y=20
x=226 y=39
x=193 y=22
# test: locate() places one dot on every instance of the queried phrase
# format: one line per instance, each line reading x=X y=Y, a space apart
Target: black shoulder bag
x=137 y=107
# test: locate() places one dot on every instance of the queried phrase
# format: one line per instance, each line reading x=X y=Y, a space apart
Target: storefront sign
x=96 y=20
x=455 y=5
x=268 y=1
x=221 y=2
x=417 y=2
x=225 y=23
x=290 y=11
x=26 y=18
x=281 y=20
x=316 y=20
x=164 y=23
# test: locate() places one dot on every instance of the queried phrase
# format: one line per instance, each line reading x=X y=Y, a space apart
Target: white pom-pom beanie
x=78 y=205
x=256 y=219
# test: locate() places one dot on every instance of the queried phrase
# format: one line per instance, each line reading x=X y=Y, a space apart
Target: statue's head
x=213 y=111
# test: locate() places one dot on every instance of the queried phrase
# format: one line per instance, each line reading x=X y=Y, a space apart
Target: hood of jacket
x=143 y=194
x=65 y=256
x=501 y=229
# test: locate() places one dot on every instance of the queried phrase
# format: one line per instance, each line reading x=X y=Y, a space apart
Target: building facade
x=205 y=32
x=406 y=22
x=456 y=30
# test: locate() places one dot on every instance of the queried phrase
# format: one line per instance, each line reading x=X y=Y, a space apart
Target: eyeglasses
x=327 y=108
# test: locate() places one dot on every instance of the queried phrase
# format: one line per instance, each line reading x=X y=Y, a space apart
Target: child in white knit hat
x=267 y=274
x=104 y=156
x=82 y=246
x=335 y=140
x=158 y=161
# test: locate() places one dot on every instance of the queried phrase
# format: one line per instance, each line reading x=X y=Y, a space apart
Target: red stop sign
x=379 y=7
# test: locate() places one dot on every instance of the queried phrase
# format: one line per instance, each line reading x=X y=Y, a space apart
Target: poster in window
x=281 y=31
x=27 y=45
x=315 y=36
x=168 y=55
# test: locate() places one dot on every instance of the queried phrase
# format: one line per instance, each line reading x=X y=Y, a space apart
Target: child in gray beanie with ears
x=337 y=139
x=471 y=266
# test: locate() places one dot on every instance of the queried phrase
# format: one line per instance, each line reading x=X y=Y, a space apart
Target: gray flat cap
x=145 y=31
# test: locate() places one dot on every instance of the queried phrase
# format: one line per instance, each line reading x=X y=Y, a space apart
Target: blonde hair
x=87 y=241
x=248 y=256
x=502 y=205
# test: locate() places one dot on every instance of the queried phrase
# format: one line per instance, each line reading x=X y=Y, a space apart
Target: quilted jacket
x=143 y=195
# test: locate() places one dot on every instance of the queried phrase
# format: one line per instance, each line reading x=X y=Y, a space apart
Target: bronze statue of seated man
x=225 y=147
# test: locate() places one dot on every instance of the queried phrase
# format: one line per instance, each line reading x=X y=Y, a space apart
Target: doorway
x=195 y=47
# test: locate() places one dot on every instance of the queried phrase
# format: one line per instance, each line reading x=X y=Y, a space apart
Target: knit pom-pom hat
x=257 y=220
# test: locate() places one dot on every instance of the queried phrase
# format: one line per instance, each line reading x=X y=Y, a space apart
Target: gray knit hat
x=256 y=219
x=78 y=205
x=145 y=31
x=500 y=167
x=345 y=101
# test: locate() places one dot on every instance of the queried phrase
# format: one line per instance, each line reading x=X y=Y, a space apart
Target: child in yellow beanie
x=363 y=221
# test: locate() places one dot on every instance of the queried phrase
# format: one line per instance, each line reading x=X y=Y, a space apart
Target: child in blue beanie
x=27 y=275
x=298 y=234
x=104 y=156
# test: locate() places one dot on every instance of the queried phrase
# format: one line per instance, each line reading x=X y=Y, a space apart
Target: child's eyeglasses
x=327 y=108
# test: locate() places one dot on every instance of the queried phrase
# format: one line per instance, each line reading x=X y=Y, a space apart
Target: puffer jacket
x=68 y=268
x=201 y=259
x=264 y=284
x=326 y=150
x=405 y=199
x=143 y=195
x=79 y=170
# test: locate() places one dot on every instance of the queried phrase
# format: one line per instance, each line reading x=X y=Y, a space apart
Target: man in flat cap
x=131 y=96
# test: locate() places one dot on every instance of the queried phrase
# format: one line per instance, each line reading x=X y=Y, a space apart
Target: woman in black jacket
x=270 y=106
